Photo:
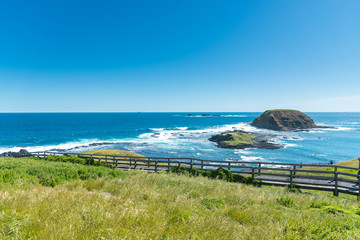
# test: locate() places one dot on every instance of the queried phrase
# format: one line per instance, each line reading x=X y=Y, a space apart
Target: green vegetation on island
x=96 y=202
x=240 y=139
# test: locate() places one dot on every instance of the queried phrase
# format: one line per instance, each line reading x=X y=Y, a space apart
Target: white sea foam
x=332 y=127
x=182 y=128
x=156 y=129
x=251 y=158
x=242 y=151
x=181 y=137
x=286 y=145
x=78 y=145
x=339 y=129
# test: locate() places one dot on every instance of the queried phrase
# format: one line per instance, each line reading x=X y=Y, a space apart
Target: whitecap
x=286 y=145
x=156 y=129
x=182 y=128
x=68 y=146
x=251 y=158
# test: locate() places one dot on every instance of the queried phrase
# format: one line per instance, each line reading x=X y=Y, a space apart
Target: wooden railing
x=334 y=178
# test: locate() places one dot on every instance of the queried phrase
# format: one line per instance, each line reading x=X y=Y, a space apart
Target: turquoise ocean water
x=177 y=135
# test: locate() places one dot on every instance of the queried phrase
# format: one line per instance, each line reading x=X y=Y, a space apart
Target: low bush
x=285 y=201
x=319 y=204
x=334 y=210
x=293 y=188
x=219 y=173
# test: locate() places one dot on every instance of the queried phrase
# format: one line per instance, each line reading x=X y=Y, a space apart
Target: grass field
x=121 y=153
x=160 y=206
x=351 y=163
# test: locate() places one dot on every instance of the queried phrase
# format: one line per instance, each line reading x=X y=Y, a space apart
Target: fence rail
x=333 y=178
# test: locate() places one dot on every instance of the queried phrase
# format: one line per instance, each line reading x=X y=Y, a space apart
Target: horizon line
x=185 y=112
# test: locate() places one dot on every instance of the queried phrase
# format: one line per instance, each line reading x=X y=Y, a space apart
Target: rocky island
x=284 y=120
x=240 y=139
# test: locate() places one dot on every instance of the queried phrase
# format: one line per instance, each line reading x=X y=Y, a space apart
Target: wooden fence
x=333 y=178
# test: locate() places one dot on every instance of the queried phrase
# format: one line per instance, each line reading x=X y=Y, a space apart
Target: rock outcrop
x=284 y=120
x=241 y=139
x=21 y=153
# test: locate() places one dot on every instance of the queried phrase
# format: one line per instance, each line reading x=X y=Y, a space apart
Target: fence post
x=156 y=165
x=116 y=162
x=229 y=166
x=259 y=171
x=135 y=161
x=358 y=197
x=130 y=162
x=291 y=176
x=336 y=190
x=191 y=163
x=106 y=158
x=148 y=162
x=252 y=172
x=168 y=163
x=202 y=164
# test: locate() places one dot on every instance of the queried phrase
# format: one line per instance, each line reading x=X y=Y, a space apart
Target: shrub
x=211 y=203
x=293 y=188
x=334 y=210
x=219 y=173
x=285 y=201
x=318 y=204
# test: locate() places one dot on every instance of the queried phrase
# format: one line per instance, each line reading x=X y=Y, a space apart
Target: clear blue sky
x=121 y=56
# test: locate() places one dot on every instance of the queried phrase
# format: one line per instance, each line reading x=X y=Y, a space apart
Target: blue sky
x=130 y=56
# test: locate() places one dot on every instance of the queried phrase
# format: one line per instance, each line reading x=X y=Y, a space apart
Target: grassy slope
x=114 y=153
x=170 y=206
x=26 y=171
x=351 y=163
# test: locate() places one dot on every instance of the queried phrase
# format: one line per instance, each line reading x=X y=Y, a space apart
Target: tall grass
x=24 y=171
x=172 y=206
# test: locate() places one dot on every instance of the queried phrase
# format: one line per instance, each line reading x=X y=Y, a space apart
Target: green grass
x=121 y=153
x=165 y=206
x=351 y=163
x=24 y=171
x=239 y=137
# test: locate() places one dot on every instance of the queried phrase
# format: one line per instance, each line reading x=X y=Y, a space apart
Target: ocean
x=178 y=135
